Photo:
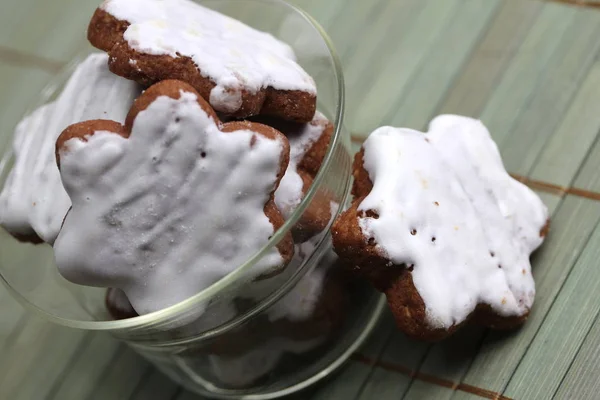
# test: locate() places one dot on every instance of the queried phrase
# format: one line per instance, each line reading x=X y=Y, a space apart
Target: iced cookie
x=33 y=202
x=329 y=309
x=172 y=201
x=118 y=304
x=307 y=317
x=308 y=145
x=316 y=307
x=240 y=71
x=440 y=227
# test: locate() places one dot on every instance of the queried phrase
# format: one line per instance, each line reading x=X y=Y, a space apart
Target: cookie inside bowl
x=34 y=216
x=34 y=200
x=85 y=153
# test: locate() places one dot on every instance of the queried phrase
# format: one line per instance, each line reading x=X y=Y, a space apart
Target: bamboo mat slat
x=589 y=178
x=520 y=80
x=370 y=102
x=388 y=381
x=440 y=66
x=79 y=379
x=501 y=353
x=574 y=137
x=560 y=79
x=581 y=381
x=155 y=386
x=121 y=376
x=354 y=375
x=487 y=64
x=565 y=327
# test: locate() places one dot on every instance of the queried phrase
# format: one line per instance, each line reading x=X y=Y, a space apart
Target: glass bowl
x=252 y=340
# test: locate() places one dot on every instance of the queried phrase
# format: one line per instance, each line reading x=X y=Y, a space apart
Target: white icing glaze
x=289 y=194
x=230 y=53
x=169 y=211
x=244 y=369
x=15 y=199
x=33 y=198
x=447 y=205
x=300 y=303
x=218 y=312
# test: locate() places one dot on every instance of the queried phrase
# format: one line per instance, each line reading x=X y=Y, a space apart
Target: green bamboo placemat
x=530 y=70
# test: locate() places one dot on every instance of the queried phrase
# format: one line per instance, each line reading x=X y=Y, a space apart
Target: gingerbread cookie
x=33 y=202
x=118 y=304
x=170 y=203
x=308 y=145
x=15 y=199
x=314 y=309
x=308 y=316
x=440 y=227
x=240 y=71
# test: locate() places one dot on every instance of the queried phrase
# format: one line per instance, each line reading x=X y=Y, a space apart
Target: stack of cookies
x=175 y=157
x=178 y=173
x=172 y=158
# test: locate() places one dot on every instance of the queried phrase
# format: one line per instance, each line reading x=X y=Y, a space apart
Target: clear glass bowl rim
x=165 y=314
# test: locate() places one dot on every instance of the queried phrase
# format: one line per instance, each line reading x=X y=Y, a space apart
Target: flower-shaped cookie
x=310 y=314
x=240 y=71
x=440 y=227
x=170 y=203
x=33 y=202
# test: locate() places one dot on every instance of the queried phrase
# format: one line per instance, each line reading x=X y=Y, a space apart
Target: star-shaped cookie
x=441 y=228
x=172 y=201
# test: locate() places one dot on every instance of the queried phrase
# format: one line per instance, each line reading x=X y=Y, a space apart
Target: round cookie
x=172 y=201
x=240 y=71
x=441 y=228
